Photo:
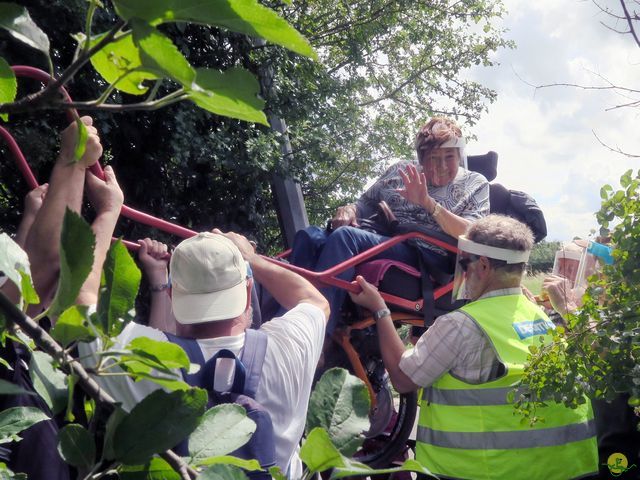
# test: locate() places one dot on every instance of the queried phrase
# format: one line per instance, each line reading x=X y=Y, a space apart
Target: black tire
x=382 y=450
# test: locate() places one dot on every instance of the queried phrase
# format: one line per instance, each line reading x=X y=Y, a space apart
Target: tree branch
x=616 y=150
x=35 y=100
x=630 y=22
x=71 y=366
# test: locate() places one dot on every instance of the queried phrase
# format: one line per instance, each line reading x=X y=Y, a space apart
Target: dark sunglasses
x=464 y=262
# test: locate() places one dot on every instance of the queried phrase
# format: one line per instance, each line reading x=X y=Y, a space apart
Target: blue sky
x=544 y=137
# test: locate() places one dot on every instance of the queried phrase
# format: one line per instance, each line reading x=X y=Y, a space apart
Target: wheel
x=381 y=450
x=394 y=418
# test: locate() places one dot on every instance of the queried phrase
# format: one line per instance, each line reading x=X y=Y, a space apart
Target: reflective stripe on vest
x=472 y=430
x=487 y=396
x=546 y=437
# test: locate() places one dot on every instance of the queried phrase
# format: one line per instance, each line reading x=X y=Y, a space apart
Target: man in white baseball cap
x=211 y=281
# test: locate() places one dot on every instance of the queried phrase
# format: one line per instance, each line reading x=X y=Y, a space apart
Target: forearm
x=23 y=229
x=102 y=227
x=450 y=223
x=160 y=314
x=288 y=288
x=392 y=348
x=65 y=191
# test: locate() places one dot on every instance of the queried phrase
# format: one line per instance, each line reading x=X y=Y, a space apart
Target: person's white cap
x=208 y=279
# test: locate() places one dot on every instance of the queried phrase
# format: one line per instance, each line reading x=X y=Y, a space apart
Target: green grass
x=534 y=282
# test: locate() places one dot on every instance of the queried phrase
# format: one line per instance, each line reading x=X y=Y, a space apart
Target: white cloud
x=544 y=137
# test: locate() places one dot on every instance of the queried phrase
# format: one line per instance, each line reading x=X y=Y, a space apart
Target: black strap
x=428 y=302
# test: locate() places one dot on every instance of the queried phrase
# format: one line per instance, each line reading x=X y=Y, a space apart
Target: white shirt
x=293 y=350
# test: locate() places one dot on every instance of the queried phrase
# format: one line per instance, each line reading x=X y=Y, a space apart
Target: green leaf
x=249 y=465
x=49 y=382
x=7 y=474
x=118 y=295
x=81 y=143
x=76 y=259
x=76 y=446
x=232 y=93
x=158 y=53
x=340 y=405
x=241 y=16
x=138 y=369
x=224 y=428
x=165 y=353
x=222 y=472
x=156 y=469
x=17 y=21
x=160 y=421
x=13 y=260
x=319 y=454
x=112 y=424
x=8 y=86
x=9 y=388
x=29 y=294
x=14 y=420
x=119 y=63
x=72 y=326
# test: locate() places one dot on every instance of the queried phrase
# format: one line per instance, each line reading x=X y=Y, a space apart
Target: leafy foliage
x=386 y=67
x=598 y=353
x=76 y=260
x=160 y=421
x=119 y=289
x=542 y=256
x=340 y=404
x=77 y=446
x=14 y=420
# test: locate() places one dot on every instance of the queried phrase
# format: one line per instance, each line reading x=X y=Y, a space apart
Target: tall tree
x=385 y=67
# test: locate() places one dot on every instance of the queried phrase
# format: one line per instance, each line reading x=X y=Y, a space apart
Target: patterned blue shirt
x=467 y=196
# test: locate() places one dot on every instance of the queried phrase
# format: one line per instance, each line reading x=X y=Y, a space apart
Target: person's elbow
x=321 y=302
x=401 y=383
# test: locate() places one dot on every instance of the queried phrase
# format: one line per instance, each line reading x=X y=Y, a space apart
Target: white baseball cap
x=208 y=279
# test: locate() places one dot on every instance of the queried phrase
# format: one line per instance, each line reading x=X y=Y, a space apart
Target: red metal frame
x=329 y=277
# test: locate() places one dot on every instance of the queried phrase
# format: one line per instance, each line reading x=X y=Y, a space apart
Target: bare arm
x=65 y=191
x=106 y=197
x=288 y=288
x=391 y=346
x=154 y=259
x=32 y=204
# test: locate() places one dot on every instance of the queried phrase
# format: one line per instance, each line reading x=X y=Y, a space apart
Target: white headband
x=455 y=142
x=509 y=256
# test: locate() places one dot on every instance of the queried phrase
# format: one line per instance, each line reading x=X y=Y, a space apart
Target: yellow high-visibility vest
x=472 y=431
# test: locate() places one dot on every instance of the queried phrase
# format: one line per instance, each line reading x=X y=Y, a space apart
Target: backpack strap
x=192 y=349
x=248 y=368
x=255 y=349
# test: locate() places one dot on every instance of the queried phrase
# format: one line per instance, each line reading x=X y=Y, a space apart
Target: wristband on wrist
x=161 y=287
x=383 y=312
x=437 y=209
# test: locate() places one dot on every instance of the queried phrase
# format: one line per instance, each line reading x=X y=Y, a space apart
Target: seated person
x=439 y=193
